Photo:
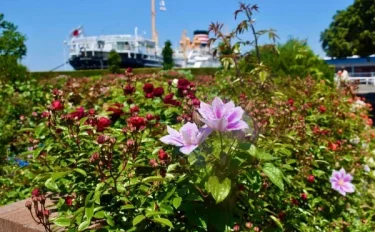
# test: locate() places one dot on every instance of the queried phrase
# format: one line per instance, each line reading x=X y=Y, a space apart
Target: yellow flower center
x=341 y=182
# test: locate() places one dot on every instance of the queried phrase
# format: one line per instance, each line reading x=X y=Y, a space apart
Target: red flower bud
x=128 y=89
x=94 y=157
x=45 y=114
x=134 y=109
x=249 y=225
x=291 y=101
x=153 y=163
x=322 y=109
x=311 y=179
x=28 y=204
x=35 y=192
x=333 y=146
x=130 y=143
x=42 y=199
x=57 y=105
x=137 y=122
x=148 y=88
x=102 y=124
x=149 y=117
x=69 y=201
x=158 y=92
x=149 y=95
x=102 y=139
x=163 y=156
x=46 y=213
x=196 y=102
x=91 y=111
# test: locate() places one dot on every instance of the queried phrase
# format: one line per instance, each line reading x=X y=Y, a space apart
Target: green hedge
x=100 y=72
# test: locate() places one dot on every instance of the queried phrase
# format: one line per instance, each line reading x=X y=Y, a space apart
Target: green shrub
x=276 y=178
x=294 y=58
x=10 y=70
x=99 y=72
x=114 y=62
x=167 y=53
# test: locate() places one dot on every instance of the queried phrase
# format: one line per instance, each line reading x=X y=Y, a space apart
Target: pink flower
x=221 y=116
x=341 y=182
x=188 y=138
x=57 y=105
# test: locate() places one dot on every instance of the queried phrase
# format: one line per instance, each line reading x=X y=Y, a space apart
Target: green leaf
x=262 y=155
x=177 y=202
x=40 y=129
x=81 y=171
x=163 y=221
x=253 y=150
x=277 y=221
x=130 y=206
x=62 y=221
x=154 y=213
x=274 y=174
x=51 y=184
x=83 y=225
x=89 y=210
x=82 y=121
x=152 y=179
x=138 y=219
x=89 y=206
x=263 y=76
x=170 y=193
x=219 y=191
x=98 y=193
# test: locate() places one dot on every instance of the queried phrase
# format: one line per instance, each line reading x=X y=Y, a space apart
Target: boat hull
x=100 y=61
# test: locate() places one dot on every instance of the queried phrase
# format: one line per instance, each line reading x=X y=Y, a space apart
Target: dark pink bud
x=57 y=105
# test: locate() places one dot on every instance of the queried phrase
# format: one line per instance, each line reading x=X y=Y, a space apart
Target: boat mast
x=153 y=23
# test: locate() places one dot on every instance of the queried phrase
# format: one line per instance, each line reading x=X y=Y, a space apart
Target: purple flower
x=340 y=181
x=188 y=138
x=222 y=117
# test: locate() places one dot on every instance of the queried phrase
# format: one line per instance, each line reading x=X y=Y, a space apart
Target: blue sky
x=47 y=23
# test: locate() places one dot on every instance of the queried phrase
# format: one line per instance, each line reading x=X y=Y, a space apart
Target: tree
x=352 y=31
x=114 y=61
x=293 y=58
x=167 y=55
x=12 y=48
x=12 y=42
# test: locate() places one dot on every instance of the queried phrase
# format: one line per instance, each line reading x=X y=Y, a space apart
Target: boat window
x=101 y=44
x=121 y=45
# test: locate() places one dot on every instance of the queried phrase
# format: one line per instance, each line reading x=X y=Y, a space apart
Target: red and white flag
x=76 y=32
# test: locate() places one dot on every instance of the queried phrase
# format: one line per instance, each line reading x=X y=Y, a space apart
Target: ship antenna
x=155 y=36
x=153 y=22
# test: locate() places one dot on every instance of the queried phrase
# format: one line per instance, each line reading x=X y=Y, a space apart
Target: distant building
x=354 y=64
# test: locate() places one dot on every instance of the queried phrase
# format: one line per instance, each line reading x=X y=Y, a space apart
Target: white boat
x=195 y=53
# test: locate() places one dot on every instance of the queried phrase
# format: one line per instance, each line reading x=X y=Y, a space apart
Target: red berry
x=236 y=228
x=304 y=196
x=311 y=179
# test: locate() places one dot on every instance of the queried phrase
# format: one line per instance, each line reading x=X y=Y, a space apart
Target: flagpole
x=64 y=51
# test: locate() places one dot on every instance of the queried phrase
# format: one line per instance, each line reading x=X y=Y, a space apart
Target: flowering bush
x=142 y=154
